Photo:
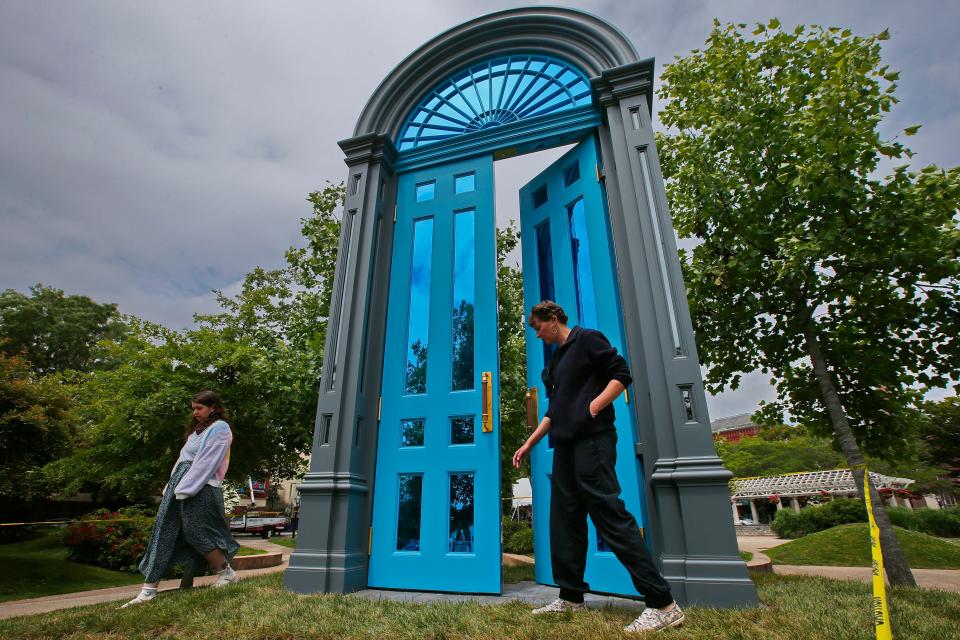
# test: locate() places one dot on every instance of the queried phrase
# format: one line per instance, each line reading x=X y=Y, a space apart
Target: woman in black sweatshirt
x=582 y=379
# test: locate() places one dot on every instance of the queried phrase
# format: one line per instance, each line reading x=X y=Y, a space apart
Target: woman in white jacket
x=190 y=528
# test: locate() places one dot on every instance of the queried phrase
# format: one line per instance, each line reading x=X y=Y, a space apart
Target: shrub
x=789 y=524
x=509 y=526
x=935 y=522
x=114 y=540
x=521 y=541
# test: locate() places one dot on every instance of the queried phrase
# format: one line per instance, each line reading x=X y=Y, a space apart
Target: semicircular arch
x=578 y=38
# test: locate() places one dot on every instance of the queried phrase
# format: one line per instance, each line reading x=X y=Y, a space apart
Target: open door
x=436 y=522
x=568 y=257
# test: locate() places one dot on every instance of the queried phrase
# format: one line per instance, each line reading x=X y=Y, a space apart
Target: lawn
x=794 y=608
x=849 y=546
x=284 y=541
x=39 y=567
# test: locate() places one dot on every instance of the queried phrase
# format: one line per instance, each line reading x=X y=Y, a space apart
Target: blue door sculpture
x=436 y=523
x=568 y=258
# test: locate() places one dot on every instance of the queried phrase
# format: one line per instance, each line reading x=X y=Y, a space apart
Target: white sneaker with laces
x=655 y=620
x=141 y=598
x=559 y=606
x=225 y=576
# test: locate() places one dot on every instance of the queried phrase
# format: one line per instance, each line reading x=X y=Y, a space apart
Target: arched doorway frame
x=691 y=530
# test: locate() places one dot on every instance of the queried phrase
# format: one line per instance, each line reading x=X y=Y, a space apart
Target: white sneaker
x=655 y=620
x=225 y=577
x=140 y=599
x=559 y=606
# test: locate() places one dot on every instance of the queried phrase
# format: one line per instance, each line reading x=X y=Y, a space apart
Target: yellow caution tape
x=881 y=613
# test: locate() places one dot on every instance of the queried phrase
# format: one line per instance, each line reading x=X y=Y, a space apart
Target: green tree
x=841 y=285
x=513 y=362
x=263 y=353
x=940 y=431
x=54 y=331
x=35 y=425
x=756 y=456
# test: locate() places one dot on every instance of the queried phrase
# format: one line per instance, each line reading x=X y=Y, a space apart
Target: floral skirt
x=185 y=531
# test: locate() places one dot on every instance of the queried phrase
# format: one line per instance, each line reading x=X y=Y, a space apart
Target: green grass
x=747 y=556
x=794 y=608
x=250 y=551
x=39 y=567
x=849 y=546
x=521 y=573
x=284 y=542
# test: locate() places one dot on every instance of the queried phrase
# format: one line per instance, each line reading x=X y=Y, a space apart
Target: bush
x=521 y=541
x=935 y=522
x=789 y=524
x=509 y=526
x=114 y=540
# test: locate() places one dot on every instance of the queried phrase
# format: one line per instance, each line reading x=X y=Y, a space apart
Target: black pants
x=585 y=482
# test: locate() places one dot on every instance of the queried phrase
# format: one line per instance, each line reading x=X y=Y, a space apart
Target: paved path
x=942 y=579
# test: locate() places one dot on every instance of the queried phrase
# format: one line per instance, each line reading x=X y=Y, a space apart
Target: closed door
x=436 y=523
x=568 y=258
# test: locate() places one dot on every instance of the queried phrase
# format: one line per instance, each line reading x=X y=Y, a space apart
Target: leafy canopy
x=771 y=162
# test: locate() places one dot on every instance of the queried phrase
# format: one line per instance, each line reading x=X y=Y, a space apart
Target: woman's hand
x=519 y=454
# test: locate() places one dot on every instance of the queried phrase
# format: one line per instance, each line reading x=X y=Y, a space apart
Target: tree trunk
x=894 y=560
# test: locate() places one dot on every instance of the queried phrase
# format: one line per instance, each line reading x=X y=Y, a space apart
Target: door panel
x=436 y=522
x=568 y=257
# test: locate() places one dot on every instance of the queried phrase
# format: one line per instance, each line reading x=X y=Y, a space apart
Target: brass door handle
x=486 y=400
x=532 y=409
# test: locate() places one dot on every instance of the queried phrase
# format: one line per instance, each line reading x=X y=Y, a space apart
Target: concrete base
x=529 y=592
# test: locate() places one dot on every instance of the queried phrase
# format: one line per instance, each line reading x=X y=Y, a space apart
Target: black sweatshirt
x=578 y=372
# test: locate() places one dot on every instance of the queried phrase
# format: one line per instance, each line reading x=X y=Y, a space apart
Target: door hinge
x=379 y=408
x=601 y=176
x=626 y=395
x=370 y=541
x=394 y=214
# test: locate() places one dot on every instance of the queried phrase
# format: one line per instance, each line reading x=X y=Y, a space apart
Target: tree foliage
x=513 y=360
x=773 y=166
x=35 y=424
x=843 y=286
x=263 y=353
x=54 y=331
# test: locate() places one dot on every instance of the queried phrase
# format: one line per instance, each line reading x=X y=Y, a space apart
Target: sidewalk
x=120 y=594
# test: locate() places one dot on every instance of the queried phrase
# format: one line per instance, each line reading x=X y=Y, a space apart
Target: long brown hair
x=208 y=399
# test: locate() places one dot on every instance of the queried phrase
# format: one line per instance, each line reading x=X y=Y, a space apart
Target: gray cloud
x=151 y=152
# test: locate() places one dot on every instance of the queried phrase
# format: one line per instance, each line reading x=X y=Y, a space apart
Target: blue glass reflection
x=426 y=191
x=493 y=93
x=461 y=430
x=463 y=301
x=461 y=513
x=411 y=432
x=419 y=312
x=408 y=512
x=465 y=183
x=582 y=271
x=545 y=271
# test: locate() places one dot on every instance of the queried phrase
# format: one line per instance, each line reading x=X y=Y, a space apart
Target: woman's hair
x=546 y=310
x=208 y=399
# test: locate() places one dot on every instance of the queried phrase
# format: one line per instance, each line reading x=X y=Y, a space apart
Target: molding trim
x=584 y=40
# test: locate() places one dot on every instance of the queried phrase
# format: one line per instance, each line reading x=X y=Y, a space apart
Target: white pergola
x=835 y=482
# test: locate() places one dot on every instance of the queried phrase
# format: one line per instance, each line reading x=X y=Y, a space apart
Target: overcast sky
x=151 y=152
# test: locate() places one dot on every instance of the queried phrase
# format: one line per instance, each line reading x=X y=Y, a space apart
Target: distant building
x=734 y=428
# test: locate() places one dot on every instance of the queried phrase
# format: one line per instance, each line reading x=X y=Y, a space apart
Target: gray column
x=779 y=504
x=754 y=512
x=795 y=503
x=685 y=481
x=736 y=512
x=337 y=492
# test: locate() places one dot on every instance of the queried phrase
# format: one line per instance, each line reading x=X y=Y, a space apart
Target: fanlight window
x=493 y=93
